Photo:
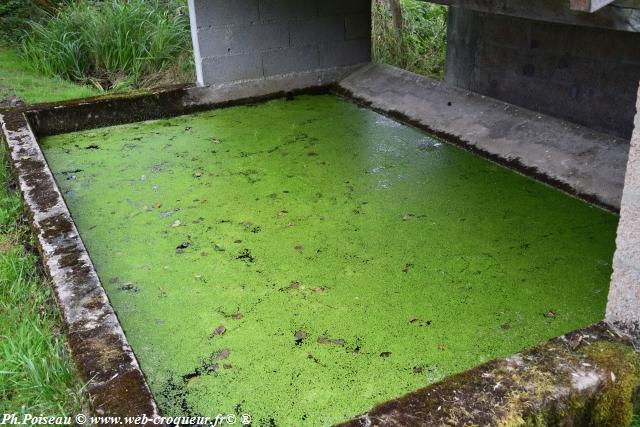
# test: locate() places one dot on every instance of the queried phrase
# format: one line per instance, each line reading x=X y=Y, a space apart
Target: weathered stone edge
x=587 y=377
x=91 y=113
x=105 y=361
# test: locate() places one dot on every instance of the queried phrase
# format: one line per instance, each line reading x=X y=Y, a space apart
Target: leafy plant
x=13 y=18
x=420 y=45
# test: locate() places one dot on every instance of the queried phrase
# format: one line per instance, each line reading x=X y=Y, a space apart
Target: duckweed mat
x=303 y=260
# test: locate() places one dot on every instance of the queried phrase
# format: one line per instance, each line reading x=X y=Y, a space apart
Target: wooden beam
x=621 y=15
x=589 y=5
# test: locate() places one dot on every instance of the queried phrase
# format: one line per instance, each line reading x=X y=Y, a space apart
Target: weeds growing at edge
x=421 y=48
x=36 y=374
x=113 y=44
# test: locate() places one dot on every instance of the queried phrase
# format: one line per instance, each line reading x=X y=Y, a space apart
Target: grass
x=114 y=44
x=17 y=80
x=36 y=374
x=421 y=48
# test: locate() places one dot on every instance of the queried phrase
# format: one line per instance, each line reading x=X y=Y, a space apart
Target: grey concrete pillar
x=623 y=309
x=243 y=40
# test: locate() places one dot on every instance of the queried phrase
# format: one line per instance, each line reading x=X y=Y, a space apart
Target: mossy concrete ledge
x=590 y=377
x=103 y=356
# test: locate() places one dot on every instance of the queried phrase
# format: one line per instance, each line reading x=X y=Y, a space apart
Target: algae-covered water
x=301 y=261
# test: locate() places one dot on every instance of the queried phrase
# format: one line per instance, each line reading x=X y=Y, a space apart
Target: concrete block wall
x=585 y=75
x=623 y=308
x=236 y=40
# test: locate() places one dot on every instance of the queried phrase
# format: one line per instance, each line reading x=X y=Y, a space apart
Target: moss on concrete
x=302 y=260
x=587 y=378
x=618 y=399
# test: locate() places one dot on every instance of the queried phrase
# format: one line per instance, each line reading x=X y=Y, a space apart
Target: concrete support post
x=623 y=309
x=257 y=39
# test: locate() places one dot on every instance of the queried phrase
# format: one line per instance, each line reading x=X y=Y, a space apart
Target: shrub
x=112 y=43
x=421 y=46
x=13 y=18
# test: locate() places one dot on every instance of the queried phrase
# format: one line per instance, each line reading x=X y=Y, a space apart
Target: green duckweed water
x=301 y=261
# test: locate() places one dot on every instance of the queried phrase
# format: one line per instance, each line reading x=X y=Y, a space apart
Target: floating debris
x=223 y=354
x=219 y=331
x=300 y=336
x=421 y=323
x=294 y=285
x=168 y=213
x=129 y=287
x=334 y=341
x=246 y=256
x=182 y=246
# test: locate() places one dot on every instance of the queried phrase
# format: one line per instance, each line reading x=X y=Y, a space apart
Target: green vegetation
x=242 y=249
x=420 y=45
x=16 y=79
x=14 y=18
x=36 y=375
x=113 y=44
x=615 y=404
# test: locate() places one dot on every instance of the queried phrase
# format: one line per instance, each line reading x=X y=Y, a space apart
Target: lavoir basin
x=302 y=260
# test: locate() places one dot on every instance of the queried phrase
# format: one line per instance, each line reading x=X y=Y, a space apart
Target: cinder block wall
x=237 y=40
x=585 y=75
x=624 y=295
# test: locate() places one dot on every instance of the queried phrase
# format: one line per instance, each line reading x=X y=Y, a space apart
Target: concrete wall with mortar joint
x=256 y=39
x=623 y=309
x=585 y=75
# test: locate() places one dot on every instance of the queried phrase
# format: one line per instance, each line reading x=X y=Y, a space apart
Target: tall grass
x=421 y=47
x=114 y=43
x=36 y=374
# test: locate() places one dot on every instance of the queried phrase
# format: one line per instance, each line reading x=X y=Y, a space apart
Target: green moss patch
x=302 y=260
